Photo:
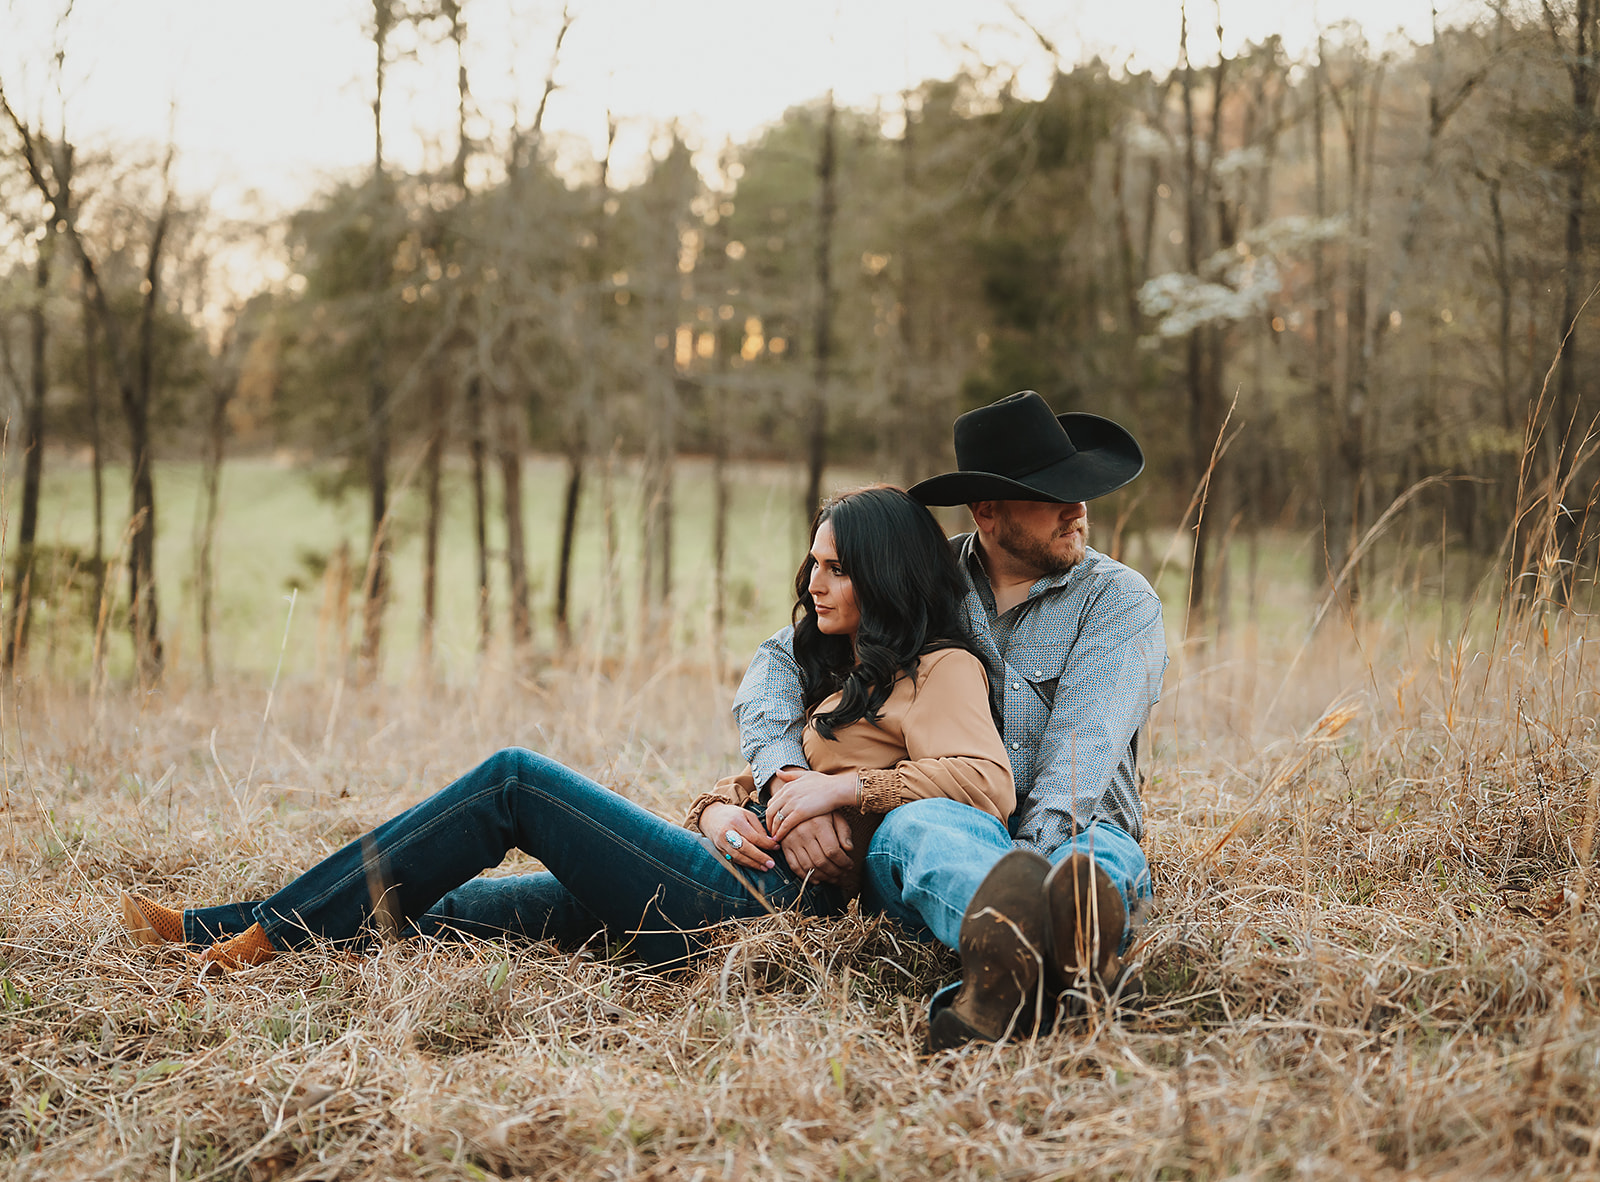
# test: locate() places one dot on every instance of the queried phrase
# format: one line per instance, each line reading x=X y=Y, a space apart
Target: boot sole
x=1086 y=915
x=1000 y=970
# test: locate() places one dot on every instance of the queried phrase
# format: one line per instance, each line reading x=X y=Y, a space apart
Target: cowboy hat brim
x=1107 y=458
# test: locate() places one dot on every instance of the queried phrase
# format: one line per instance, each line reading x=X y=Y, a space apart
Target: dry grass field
x=1372 y=957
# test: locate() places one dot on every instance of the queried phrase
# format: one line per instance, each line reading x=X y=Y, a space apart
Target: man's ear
x=984 y=514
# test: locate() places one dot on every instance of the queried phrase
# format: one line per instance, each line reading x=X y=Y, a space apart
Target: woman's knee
x=528 y=774
x=518 y=763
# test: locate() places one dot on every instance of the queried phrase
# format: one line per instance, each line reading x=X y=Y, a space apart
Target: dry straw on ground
x=1372 y=956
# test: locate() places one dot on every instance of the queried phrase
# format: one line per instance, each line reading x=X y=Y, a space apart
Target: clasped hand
x=803 y=815
x=802 y=818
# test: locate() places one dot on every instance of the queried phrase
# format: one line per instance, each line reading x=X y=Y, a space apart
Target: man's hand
x=819 y=847
x=718 y=820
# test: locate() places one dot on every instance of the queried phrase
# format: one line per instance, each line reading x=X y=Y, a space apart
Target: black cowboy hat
x=1017 y=450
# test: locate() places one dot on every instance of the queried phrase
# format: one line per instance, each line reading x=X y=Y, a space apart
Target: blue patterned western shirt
x=1073 y=672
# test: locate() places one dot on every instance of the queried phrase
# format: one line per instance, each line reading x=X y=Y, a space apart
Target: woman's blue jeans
x=612 y=866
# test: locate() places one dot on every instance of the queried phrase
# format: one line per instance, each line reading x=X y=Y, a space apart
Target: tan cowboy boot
x=249 y=947
x=1003 y=951
x=151 y=923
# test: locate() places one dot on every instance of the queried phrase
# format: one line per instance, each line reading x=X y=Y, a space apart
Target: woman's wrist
x=708 y=826
x=849 y=793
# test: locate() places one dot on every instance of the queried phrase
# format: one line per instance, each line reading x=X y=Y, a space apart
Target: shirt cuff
x=779 y=753
x=881 y=790
x=701 y=803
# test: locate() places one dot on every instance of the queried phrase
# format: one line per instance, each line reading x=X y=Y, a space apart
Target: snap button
x=1016 y=746
x=1016 y=685
x=1039 y=673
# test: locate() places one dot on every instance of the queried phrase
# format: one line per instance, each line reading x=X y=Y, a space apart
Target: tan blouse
x=934 y=737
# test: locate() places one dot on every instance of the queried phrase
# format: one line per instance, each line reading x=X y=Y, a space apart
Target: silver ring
x=733 y=839
x=779 y=817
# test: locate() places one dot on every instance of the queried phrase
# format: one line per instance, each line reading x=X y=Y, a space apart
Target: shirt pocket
x=1039 y=667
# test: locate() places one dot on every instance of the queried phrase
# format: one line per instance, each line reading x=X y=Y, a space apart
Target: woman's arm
x=952 y=746
x=952 y=750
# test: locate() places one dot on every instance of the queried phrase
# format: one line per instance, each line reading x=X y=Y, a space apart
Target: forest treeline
x=1322 y=289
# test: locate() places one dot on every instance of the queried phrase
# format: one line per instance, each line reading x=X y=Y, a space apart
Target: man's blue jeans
x=928 y=857
x=613 y=867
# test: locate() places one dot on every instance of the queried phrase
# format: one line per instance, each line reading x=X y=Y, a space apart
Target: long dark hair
x=908 y=588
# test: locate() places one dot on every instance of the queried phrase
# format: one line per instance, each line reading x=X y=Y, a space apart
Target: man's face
x=1048 y=537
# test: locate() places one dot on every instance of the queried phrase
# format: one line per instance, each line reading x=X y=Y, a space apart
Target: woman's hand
x=718 y=820
x=805 y=794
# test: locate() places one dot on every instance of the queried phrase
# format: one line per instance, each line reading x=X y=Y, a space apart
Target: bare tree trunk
x=719 y=509
x=225 y=383
x=1131 y=279
x=1327 y=559
x=20 y=611
x=432 y=480
x=581 y=429
x=827 y=208
x=377 y=581
x=1566 y=422
x=569 y=536
x=458 y=35
x=1492 y=508
x=911 y=413
x=608 y=514
x=1359 y=112
x=91 y=392
x=480 y=505
x=439 y=405
x=649 y=515
x=144 y=613
x=665 y=477
x=1199 y=380
x=510 y=453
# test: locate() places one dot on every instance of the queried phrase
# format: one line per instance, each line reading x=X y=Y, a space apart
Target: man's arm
x=771 y=714
x=770 y=710
x=1111 y=680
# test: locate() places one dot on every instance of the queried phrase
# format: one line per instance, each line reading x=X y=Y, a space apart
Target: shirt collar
x=971 y=559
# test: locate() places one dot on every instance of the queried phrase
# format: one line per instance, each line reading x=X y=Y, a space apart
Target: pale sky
x=274 y=98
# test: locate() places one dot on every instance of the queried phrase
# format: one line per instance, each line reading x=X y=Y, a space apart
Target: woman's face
x=830 y=587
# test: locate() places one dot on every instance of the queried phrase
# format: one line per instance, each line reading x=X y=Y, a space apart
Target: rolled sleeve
x=770 y=710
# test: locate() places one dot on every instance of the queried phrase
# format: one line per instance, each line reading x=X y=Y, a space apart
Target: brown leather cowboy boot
x=1003 y=951
x=1086 y=922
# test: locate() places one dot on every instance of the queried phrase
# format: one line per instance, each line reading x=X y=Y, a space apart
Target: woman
x=898 y=708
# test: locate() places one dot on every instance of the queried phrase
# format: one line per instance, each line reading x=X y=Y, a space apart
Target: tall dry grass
x=1374 y=954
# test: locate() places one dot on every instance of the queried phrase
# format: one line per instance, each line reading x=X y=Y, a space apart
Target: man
x=1075 y=649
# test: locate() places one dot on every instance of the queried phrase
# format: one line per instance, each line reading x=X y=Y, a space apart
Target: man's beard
x=1040 y=555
